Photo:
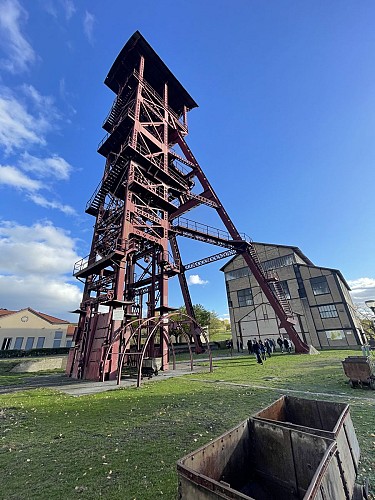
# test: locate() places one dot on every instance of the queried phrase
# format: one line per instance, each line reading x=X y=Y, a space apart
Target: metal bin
x=261 y=460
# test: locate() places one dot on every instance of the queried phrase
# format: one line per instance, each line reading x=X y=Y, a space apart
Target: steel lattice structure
x=147 y=187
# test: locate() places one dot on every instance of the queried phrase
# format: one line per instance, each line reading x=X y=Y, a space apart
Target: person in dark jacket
x=257 y=352
x=262 y=350
x=281 y=344
x=250 y=346
x=268 y=346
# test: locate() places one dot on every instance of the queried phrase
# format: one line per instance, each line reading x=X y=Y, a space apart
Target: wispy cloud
x=54 y=166
x=11 y=176
x=18 y=128
x=195 y=279
x=88 y=26
x=25 y=119
x=19 y=54
x=69 y=8
x=362 y=289
x=43 y=202
x=50 y=7
x=66 y=96
x=53 y=8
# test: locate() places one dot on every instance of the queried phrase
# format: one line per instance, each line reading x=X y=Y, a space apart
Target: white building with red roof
x=28 y=329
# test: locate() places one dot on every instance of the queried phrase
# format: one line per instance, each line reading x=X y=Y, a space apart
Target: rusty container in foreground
x=261 y=460
x=324 y=418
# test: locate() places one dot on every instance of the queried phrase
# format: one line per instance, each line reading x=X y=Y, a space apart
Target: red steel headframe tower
x=147 y=185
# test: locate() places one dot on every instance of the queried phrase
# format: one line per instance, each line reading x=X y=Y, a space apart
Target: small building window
x=18 y=343
x=319 y=285
x=57 y=339
x=40 y=342
x=245 y=297
x=6 y=343
x=285 y=287
x=29 y=343
x=69 y=343
x=329 y=311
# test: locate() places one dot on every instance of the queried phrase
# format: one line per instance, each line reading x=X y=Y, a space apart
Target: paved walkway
x=76 y=387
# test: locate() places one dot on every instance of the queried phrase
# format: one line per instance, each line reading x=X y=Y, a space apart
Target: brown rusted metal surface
x=327 y=419
x=262 y=460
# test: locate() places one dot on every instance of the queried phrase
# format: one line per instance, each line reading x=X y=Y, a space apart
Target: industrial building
x=28 y=329
x=319 y=298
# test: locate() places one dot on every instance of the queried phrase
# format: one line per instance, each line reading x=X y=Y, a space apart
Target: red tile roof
x=4 y=312
x=47 y=317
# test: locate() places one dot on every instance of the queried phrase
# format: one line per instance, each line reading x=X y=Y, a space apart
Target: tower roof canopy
x=156 y=72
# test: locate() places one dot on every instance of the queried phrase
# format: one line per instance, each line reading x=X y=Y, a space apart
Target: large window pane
x=319 y=285
x=245 y=297
x=6 y=343
x=328 y=311
x=18 y=343
x=57 y=339
x=40 y=343
x=237 y=273
x=29 y=343
x=286 y=260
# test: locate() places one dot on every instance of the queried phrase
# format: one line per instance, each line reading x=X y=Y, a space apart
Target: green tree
x=202 y=315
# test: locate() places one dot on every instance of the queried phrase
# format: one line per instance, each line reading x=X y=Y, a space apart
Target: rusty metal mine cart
x=293 y=450
x=360 y=370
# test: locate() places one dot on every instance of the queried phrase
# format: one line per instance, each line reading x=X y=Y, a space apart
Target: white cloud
x=88 y=26
x=66 y=96
x=195 y=279
x=51 y=7
x=35 y=268
x=25 y=123
x=19 y=128
x=362 y=289
x=55 y=166
x=51 y=296
x=11 y=176
x=69 y=8
x=43 y=202
x=40 y=249
x=19 y=53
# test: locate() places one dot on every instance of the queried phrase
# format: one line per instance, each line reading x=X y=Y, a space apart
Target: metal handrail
x=208 y=230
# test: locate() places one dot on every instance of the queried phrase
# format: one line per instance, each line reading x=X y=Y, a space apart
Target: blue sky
x=284 y=131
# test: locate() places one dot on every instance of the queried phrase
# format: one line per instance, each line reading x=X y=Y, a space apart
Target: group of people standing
x=263 y=349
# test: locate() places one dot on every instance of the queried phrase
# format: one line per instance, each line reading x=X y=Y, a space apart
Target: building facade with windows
x=319 y=297
x=28 y=329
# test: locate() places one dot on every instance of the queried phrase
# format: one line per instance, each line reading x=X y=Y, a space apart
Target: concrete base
x=40 y=364
x=312 y=350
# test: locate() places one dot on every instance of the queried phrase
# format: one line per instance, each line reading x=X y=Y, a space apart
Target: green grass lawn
x=7 y=377
x=124 y=444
